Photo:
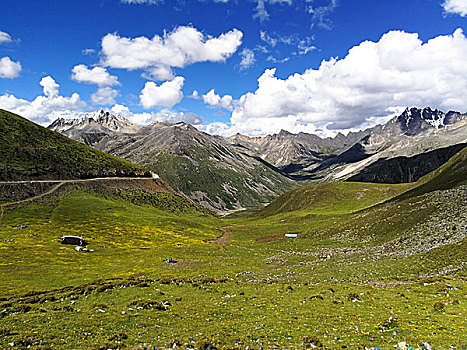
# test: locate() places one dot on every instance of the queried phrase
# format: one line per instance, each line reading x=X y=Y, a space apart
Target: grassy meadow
x=371 y=267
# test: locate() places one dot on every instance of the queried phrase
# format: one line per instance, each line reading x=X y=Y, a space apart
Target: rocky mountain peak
x=62 y=124
x=97 y=121
x=415 y=120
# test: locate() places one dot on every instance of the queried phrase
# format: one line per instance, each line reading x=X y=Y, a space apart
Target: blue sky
x=160 y=60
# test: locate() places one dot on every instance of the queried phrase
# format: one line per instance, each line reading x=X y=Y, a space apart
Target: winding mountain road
x=59 y=184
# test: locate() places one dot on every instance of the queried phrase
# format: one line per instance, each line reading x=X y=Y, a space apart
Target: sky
x=228 y=66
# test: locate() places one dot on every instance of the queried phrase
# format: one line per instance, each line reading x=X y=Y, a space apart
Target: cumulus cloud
x=49 y=86
x=371 y=81
x=179 y=48
x=9 y=69
x=96 y=75
x=159 y=73
x=167 y=94
x=4 y=37
x=165 y=115
x=458 y=7
x=194 y=95
x=248 y=59
x=44 y=109
x=104 y=96
x=213 y=99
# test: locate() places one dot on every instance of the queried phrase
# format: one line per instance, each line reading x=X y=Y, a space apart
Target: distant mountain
x=29 y=151
x=241 y=172
x=403 y=150
x=205 y=168
x=293 y=152
x=92 y=127
x=415 y=132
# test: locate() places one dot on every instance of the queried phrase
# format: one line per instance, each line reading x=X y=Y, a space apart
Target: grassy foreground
x=372 y=277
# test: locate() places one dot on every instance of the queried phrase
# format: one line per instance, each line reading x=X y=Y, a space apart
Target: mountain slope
x=404 y=149
x=332 y=198
x=416 y=131
x=30 y=151
x=346 y=197
x=242 y=172
x=451 y=175
x=406 y=169
x=293 y=152
x=92 y=127
x=205 y=168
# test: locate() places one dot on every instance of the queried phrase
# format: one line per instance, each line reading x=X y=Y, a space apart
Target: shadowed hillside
x=29 y=151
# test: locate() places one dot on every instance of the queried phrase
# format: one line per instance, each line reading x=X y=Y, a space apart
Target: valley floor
x=386 y=273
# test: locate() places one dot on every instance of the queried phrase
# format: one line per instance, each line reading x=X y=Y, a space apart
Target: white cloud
x=167 y=94
x=88 y=52
x=371 y=81
x=261 y=11
x=159 y=73
x=96 y=75
x=320 y=14
x=104 y=96
x=179 y=48
x=216 y=128
x=166 y=115
x=264 y=36
x=458 y=7
x=213 y=99
x=49 y=86
x=195 y=95
x=9 y=69
x=302 y=45
x=248 y=59
x=44 y=109
x=4 y=37
x=276 y=60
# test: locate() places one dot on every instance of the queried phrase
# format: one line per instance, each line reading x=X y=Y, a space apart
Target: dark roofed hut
x=74 y=240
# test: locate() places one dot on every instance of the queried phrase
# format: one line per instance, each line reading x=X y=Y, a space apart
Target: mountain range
x=228 y=174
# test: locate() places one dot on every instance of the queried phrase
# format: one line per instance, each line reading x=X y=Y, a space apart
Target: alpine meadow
x=222 y=174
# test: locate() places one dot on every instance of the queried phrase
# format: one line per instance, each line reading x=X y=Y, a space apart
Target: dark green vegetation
x=362 y=272
x=30 y=151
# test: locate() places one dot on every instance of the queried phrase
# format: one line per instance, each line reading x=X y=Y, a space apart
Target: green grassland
x=31 y=151
x=373 y=265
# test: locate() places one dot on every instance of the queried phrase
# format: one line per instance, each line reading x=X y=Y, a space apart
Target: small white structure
x=291 y=235
x=154 y=175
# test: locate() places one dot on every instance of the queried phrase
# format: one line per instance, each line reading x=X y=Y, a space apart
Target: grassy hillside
x=332 y=198
x=30 y=151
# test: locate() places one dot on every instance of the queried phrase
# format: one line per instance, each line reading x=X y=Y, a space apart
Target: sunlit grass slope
x=127 y=238
x=332 y=198
x=31 y=151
